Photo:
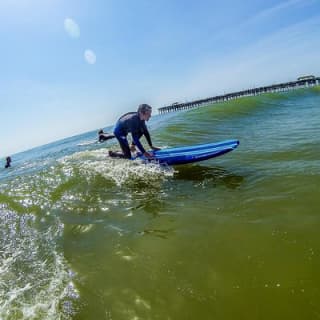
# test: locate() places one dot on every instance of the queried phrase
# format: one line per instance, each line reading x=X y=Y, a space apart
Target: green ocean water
x=84 y=236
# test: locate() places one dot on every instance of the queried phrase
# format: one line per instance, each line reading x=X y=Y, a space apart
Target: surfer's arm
x=105 y=136
x=148 y=138
x=109 y=136
x=147 y=135
x=137 y=142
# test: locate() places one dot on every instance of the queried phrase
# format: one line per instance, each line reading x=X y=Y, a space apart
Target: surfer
x=133 y=122
x=103 y=136
x=8 y=164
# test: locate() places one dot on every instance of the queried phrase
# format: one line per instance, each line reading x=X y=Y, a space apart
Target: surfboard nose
x=235 y=144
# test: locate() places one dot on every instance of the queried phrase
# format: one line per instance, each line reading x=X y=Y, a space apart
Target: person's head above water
x=100 y=131
x=144 y=111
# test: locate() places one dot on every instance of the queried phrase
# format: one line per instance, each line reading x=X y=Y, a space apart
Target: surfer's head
x=144 y=111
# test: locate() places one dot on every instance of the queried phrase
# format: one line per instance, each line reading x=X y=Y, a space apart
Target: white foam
x=120 y=171
x=87 y=143
x=35 y=278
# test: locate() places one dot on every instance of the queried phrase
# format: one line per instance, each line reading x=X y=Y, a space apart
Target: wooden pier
x=302 y=82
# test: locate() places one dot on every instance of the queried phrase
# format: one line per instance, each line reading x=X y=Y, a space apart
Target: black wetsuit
x=8 y=164
x=131 y=122
x=105 y=137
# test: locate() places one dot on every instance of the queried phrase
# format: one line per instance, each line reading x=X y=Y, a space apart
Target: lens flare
x=72 y=28
x=90 y=56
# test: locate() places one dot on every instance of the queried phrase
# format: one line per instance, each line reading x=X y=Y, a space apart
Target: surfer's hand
x=148 y=155
x=155 y=148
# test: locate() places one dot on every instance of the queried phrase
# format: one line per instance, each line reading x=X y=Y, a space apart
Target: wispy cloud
x=277 y=9
x=281 y=56
x=261 y=19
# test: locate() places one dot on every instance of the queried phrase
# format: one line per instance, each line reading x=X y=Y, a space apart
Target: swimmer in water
x=103 y=136
x=8 y=164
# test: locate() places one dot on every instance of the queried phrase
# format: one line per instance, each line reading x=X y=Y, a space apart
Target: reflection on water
x=161 y=233
x=216 y=175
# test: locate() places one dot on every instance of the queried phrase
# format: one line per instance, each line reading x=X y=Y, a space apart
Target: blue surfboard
x=190 y=154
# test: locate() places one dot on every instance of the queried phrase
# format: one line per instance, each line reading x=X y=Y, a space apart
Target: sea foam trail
x=120 y=171
x=36 y=282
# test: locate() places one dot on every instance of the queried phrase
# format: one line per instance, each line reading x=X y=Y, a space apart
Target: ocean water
x=83 y=236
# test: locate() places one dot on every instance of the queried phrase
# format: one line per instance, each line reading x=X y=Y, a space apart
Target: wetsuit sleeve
x=147 y=135
x=138 y=128
x=137 y=142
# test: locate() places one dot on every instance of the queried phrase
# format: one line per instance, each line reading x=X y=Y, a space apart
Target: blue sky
x=68 y=67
